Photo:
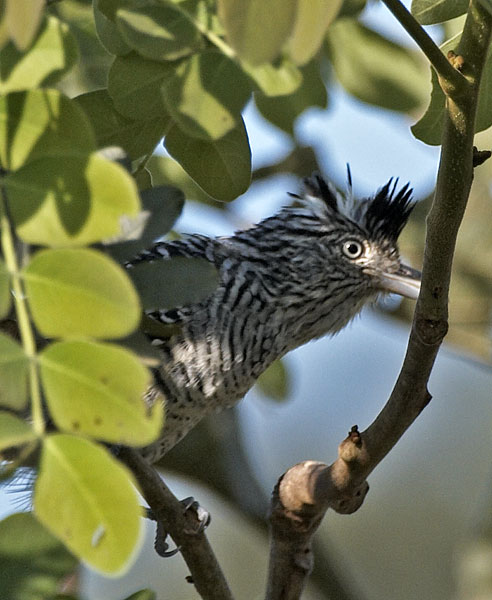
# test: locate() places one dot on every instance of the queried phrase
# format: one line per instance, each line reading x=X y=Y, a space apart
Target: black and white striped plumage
x=294 y=277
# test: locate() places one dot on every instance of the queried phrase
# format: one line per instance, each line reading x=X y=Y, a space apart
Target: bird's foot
x=160 y=544
x=203 y=516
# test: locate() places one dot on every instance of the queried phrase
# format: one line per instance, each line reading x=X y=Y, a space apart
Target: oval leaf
x=87 y=499
x=428 y=12
x=13 y=374
x=227 y=172
x=137 y=137
x=98 y=390
x=14 y=431
x=134 y=84
x=70 y=200
x=206 y=94
x=5 y=296
x=52 y=54
x=374 y=69
x=34 y=562
x=159 y=32
x=282 y=111
x=108 y=33
x=275 y=80
x=174 y=282
x=80 y=292
x=39 y=123
x=22 y=20
x=257 y=30
x=312 y=20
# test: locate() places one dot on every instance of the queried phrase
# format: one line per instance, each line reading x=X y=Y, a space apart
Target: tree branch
x=182 y=526
x=307 y=490
x=442 y=66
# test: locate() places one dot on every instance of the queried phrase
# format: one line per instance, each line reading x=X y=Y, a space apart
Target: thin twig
x=436 y=58
x=306 y=491
x=181 y=525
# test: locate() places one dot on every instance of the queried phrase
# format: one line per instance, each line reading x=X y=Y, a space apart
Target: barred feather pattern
x=283 y=282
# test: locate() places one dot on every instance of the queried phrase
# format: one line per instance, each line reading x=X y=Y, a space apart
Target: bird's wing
x=190 y=246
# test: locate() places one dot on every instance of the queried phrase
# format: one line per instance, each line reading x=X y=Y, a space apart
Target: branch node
x=456 y=60
x=431 y=332
x=351 y=503
x=480 y=156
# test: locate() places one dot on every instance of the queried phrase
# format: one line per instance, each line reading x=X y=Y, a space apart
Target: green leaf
x=274 y=382
x=22 y=20
x=257 y=30
x=165 y=169
x=98 y=390
x=162 y=206
x=5 y=296
x=282 y=111
x=136 y=136
x=13 y=374
x=375 y=69
x=108 y=33
x=14 y=431
x=158 y=32
x=52 y=54
x=109 y=8
x=134 y=84
x=226 y=173
x=143 y=595
x=428 y=12
x=275 y=80
x=429 y=128
x=206 y=94
x=312 y=20
x=87 y=499
x=75 y=292
x=40 y=123
x=70 y=200
x=34 y=563
x=174 y=282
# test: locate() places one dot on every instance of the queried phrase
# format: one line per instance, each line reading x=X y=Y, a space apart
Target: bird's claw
x=161 y=546
x=202 y=515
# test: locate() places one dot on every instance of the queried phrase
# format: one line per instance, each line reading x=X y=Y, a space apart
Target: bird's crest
x=382 y=215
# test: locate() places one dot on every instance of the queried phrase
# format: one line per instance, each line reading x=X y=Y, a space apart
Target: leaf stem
x=445 y=70
x=23 y=320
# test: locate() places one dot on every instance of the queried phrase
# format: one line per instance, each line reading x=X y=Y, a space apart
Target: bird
x=298 y=275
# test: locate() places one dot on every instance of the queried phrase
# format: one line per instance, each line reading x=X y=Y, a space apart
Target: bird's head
x=323 y=260
x=363 y=234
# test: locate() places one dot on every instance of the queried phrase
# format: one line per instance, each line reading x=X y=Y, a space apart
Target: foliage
x=83 y=77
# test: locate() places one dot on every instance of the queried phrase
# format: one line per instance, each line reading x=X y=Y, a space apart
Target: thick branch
x=436 y=58
x=306 y=491
x=182 y=526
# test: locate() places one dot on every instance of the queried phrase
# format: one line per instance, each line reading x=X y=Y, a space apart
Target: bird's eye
x=352 y=249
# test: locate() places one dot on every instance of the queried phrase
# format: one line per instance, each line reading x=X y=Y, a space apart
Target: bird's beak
x=406 y=282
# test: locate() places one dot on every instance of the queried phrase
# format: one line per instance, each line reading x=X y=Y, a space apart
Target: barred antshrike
x=292 y=278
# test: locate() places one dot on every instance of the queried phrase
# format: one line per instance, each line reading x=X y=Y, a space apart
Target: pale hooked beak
x=406 y=282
